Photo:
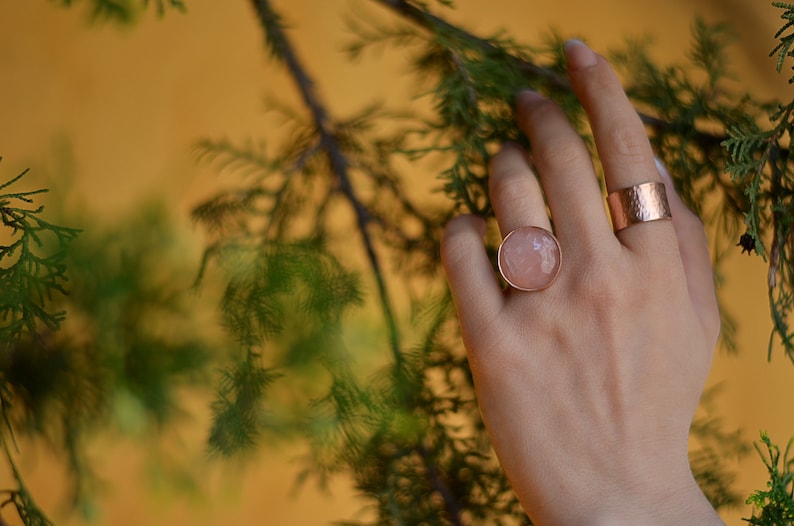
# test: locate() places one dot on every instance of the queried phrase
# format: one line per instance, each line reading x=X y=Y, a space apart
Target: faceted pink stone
x=529 y=258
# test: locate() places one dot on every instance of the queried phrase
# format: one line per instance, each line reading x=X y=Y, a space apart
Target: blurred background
x=107 y=117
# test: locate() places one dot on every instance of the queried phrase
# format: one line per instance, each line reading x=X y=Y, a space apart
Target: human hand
x=588 y=387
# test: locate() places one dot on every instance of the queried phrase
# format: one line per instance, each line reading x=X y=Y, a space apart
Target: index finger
x=477 y=293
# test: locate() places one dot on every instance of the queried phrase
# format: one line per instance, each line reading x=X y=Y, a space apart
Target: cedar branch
x=552 y=79
x=330 y=144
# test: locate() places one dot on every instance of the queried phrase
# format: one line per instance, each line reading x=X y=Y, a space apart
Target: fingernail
x=669 y=185
x=527 y=98
x=662 y=169
x=511 y=145
x=579 y=55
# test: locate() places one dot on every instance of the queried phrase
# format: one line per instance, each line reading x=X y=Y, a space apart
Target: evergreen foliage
x=120 y=358
x=313 y=224
x=760 y=166
x=122 y=11
x=470 y=82
x=775 y=505
x=32 y=272
x=412 y=438
x=32 y=269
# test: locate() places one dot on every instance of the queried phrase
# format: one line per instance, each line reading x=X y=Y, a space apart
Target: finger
x=515 y=192
x=477 y=293
x=566 y=172
x=693 y=247
x=620 y=136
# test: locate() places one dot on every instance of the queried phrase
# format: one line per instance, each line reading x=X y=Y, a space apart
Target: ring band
x=638 y=204
x=529 y=258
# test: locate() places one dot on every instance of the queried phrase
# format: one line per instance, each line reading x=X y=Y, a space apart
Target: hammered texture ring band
x=638 y=204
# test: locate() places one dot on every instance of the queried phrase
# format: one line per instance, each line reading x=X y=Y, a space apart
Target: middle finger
x=565 y=170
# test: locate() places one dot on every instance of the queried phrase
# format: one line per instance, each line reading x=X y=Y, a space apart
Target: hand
x=588 y=387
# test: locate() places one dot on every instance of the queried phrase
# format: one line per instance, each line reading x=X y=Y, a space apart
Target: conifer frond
x=27 y=509
x=775 y=505
x=122 y=11
x=28 y=512
x=32 y=274
x=249 y=158
x=297 y=286
x=783 y=48
x=369 y=33
x=400 y=434
x=32 y=267
x=268 y=285
x=120 y=359
x=709 y=42
x=760 y=165
x=745 y=162
x=238 y=408
x=410 y=434
x=445 y=3
x=162 y=5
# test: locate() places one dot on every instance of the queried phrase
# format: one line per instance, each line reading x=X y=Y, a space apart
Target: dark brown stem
x=551 y=79
x=778 y=241
x=329 y=143
x=438 y=483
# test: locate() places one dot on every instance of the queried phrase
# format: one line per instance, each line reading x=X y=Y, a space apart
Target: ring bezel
x=503 y=271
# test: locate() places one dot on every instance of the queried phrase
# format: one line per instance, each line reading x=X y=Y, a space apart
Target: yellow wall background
x=127 y=105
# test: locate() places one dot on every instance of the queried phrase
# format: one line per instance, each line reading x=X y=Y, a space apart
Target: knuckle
x=542 y=109
x=601 y=284
x=626 y=142
x=559 y=156
x=506 y=178
x=507 y=167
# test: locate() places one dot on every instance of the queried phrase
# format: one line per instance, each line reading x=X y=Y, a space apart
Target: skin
x=588 y=388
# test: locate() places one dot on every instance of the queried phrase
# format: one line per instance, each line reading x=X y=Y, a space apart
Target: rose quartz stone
x=529 y=258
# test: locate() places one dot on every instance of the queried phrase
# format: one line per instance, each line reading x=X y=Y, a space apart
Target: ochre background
x=108 y=117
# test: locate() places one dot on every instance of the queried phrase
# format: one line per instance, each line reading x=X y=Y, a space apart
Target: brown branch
x=330 y=144
x=551 y=79
x=437 y=482
x=777 y=251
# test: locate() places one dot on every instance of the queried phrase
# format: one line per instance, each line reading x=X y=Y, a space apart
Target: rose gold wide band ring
x=638 y=204
x=529 y=258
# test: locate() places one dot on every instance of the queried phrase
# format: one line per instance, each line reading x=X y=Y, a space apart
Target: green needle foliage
x=32 y=272
x=760 y=165
x=322 y=240
x=775 y=505
x=32 y=266
x=118 y=362
x=122 y=11
x=412 y=438
x=410 y=433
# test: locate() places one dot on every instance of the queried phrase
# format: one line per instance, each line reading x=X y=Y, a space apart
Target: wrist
x=685 y=504
x=656 y=498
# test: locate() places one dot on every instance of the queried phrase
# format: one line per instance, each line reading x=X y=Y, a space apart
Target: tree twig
x=330 y=144
x=552 y=79
x=339 y=165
